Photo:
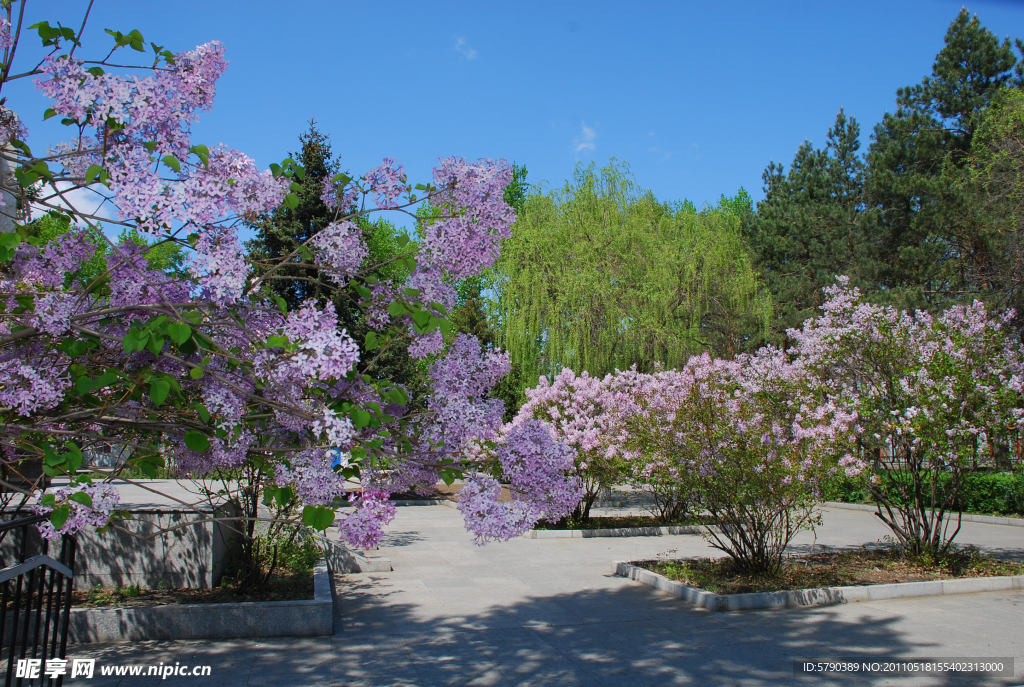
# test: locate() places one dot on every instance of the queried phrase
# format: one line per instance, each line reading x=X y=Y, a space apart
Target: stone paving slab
x=548 y=612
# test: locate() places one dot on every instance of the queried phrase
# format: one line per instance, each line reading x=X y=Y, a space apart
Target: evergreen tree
x=809 y=226
x=936 y=245
x=283 y=231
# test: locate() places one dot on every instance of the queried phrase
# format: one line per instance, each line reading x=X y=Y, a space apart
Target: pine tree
x=809 y=227
x=938 y=249
x=284 y=230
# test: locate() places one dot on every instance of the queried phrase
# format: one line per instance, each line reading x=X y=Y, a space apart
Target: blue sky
x=696 y=97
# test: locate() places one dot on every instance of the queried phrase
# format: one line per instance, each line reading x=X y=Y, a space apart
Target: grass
x=832 y=569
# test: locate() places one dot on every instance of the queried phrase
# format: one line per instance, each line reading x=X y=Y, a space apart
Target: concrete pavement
x=547 y=612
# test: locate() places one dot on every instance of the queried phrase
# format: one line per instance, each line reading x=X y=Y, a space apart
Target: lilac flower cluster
x=387 y=183
x=104 y=500
x=364 y=527
x=341 y=250
x=467 y=239
x=538 y=469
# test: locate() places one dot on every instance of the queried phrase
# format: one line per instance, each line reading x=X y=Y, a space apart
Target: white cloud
x=586 y=139
x=464 y=48
x=663 y=155
x=82 y=200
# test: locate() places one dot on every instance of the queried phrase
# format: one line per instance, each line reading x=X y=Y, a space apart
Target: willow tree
x=601 y=275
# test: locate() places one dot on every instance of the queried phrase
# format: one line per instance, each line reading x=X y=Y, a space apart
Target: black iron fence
x=35 y=603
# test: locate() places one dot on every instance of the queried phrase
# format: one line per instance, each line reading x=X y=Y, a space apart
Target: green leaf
x=95 y=71
x=202 y=152
x=397 y=309
x=172 y=162
x=196 y=373
x=342 y=179
x=84 y=385
x=48 y=500
x=155 y=344
x=196 y=440
x=317 y=517
x=371 y=342
x=179 y=333
x=60 y=515
x=8 y=245
x=277 y=341
x=22 y=146
x=291 y=201
x=360 y=418
x=158 y=391
x=50 y=112
x=82 y=498
x=421 y=317
x=201 y=410
x=282 y=305
x=92 y=173
x=296 y=186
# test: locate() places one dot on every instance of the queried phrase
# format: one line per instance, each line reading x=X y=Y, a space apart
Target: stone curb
x=806 y=598
x=301 y=618
x=615 y=532
x=344 y=560
x=967 y=517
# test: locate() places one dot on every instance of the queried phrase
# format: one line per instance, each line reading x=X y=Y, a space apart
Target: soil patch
x=601 y=522
x=290 y=587
x=830 y=569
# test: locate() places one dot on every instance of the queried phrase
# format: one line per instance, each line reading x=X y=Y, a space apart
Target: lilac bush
x=203 y=366
x=930 y=393
x=585 y=413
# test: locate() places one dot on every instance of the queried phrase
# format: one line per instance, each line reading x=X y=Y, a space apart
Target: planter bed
x=302 y=617
x=820 y=579
x=615 y=526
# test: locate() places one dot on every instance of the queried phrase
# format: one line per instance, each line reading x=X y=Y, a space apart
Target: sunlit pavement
x=548 y=612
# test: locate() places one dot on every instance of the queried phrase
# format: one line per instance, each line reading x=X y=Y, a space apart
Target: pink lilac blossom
x=133 y=282
x=424 y=345
x=104 y=500
x=461 y=380
x=6 y=39
x=219 y=266
x=53 y=311
x=32 y=383
x=223 y=453
x=467 y=239
x=51 y=266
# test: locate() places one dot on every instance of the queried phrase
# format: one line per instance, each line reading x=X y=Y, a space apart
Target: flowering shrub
x=929 y=393
x=203 y=365
x=749 y=443
x=585 y=413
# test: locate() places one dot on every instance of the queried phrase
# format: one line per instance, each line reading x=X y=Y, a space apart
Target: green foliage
x=284 y=231
x=53 y=225
x=1000 y=493
x=809 y=227
x=601 y=275
x=937 y=247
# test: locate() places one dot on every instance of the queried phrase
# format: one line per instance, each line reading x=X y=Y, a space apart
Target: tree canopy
x=600 y=275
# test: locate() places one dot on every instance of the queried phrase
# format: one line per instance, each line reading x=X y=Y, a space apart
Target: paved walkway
x=548 y=612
